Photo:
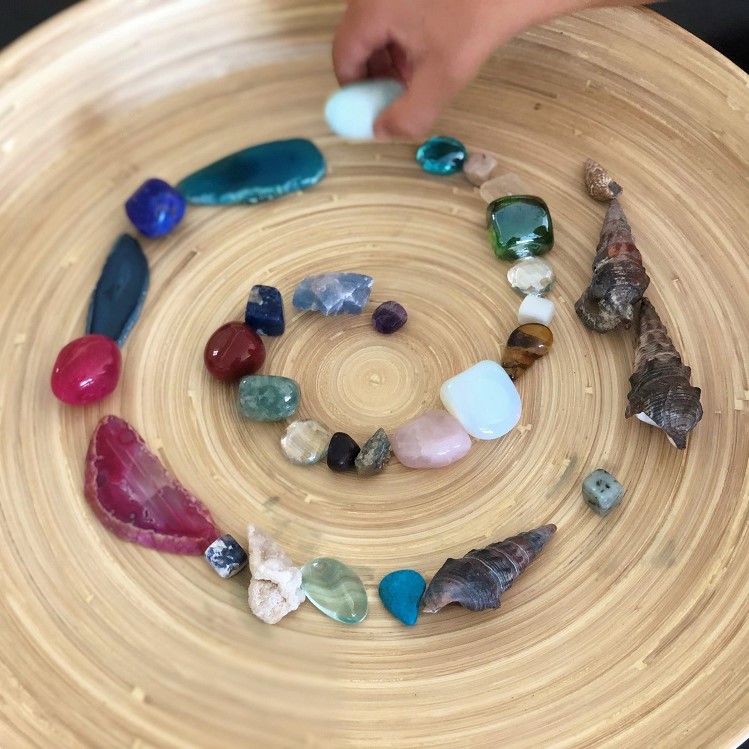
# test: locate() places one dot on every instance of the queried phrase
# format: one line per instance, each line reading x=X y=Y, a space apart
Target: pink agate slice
x=433 y=440
x=137 y=499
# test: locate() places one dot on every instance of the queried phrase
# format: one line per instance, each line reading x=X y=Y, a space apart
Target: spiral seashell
x=598 y=183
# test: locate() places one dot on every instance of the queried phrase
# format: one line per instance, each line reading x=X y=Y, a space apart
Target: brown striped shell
x=598 y=183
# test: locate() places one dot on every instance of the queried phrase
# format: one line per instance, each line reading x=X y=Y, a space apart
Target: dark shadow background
x=722 y=23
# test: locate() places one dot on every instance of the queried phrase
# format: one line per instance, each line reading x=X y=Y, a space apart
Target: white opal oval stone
x=536 y=309
x=351 y=111
x=484 y=400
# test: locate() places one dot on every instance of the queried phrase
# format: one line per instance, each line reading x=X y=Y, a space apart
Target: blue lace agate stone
x=334 y=293
x=264 y=312
x=442 y=155
x=120 y=292
x=259 y=173
x=155 y=208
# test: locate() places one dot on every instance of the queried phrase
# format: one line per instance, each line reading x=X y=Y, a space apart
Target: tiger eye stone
x=526 y=344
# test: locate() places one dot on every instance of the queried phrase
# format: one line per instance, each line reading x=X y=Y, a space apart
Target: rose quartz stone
x=433 y=440
x=87 y=370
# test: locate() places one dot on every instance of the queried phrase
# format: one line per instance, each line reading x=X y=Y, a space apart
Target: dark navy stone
x=226 y=556
x=155 y=208
x=264 y=313
x=401 y=592
x=389 y=317
x=342 y=452
x=256 y=174
x=120 y=292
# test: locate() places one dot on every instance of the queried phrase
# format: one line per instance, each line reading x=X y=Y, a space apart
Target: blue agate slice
x=120 y=292
x=257 y=174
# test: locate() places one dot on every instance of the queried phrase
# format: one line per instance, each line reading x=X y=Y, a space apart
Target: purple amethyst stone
x=389 y=317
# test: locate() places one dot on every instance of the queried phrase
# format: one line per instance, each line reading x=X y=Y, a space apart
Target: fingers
x=358 y=37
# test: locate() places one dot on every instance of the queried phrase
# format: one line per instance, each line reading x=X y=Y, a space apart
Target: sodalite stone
x=484 y=400
x=264 y=312
x=268 y=397
x=226 y=556
x=256 y=174
x=335 y=589
x=602 y=492
x=519 y=226
x=155 y=208
x=120 y=291
x=442 y=155
x=401 y=592
x=334 y=293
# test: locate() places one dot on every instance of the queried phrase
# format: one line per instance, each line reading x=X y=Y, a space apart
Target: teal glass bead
x=442 y=155
x=268 y=397
x=519 y=226
x=335 y=589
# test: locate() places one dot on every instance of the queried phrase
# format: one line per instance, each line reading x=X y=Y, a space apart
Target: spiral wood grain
x=629 y=631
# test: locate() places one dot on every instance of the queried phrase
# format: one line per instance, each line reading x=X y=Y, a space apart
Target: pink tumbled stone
x=86 y=370
x=433 y=440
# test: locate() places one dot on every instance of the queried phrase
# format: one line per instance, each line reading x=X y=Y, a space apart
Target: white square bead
x=536 y=309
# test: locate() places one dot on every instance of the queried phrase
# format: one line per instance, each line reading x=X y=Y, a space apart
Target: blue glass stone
x=226 y=556
x=334 y=293
x=120 y=291
x=155 y=208
x=264 y=313
x=442 y=155
x=401 y=592
x=258 y=173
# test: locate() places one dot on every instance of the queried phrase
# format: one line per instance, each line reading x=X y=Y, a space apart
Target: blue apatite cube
x=602 y=491
x=226 y=556
x=264 y=313
x=155 y=208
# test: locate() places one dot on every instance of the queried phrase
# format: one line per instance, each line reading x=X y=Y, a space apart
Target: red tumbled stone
x=86 y=370
x=234 y=351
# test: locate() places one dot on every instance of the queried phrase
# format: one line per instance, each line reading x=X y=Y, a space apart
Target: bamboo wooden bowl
x=628 y=631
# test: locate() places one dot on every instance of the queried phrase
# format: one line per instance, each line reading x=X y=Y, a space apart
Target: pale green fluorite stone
x=305 y=442
x=335 y=589
x=268 y=397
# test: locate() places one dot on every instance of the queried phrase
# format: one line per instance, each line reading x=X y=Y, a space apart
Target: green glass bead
x=268 y=397
x=335 y=589
x=519 y=226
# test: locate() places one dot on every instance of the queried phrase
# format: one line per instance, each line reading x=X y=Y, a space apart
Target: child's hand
x=435 y=47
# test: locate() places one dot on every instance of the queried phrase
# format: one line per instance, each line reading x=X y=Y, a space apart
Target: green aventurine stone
x=519 y=226
x=335 y=589
x=268 y=397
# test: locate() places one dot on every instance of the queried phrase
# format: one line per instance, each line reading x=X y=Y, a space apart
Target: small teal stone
x=120 y=291
x=334 y=293
x=401 y=592
x=257 y=174
x=442 y=155
x=268 y=397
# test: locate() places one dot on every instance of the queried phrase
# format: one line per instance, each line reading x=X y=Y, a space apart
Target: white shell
x=644 y=417
x=536 y=309
x=351 y=112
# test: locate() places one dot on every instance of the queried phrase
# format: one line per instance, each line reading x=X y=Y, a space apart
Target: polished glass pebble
x=234 y=351
x=226 y=556
x=305 y=442
x=401 y=593
x=433 y=440
x=264 y=311
x=352 y=110
x=86 y=370
x=256 y=174
x=602 y=491
x=525 y=345
x=342 y=452
x=334 y=293
x=519 y=226
x=268 y=397
x=374 y=455
x=335 y=589
x=389 y=317
x=536 y=309
x=442 y=155
x=155 y=208
x=531 y=276
x=120 y=291
x=484 y=400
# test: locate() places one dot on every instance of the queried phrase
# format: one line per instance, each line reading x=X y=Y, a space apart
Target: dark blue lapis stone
x=226 y=556
x=120 y=291
x=155 y=208
x=264 y=313
x=257 y=174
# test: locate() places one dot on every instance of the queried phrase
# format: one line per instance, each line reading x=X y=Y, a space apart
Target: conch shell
x=619 y=278
x=661 y=387
x=478 y=580
x=598 y=183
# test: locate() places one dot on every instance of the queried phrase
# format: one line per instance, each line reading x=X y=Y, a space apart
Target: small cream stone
x=536 y=309
x=504 y=184
x=479 y=167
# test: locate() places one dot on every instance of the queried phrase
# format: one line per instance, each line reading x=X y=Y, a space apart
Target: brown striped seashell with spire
x=599 y=184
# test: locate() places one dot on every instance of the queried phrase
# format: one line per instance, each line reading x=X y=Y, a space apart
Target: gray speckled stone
x=602 y=491
x=226 y=556
x=375 y=454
